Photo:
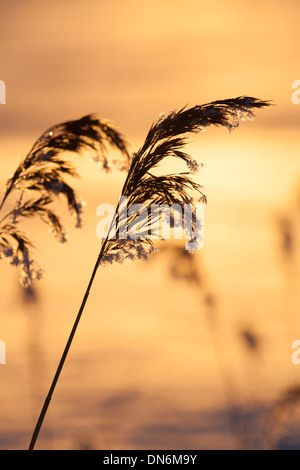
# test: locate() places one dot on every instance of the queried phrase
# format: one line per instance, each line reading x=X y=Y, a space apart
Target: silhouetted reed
x=41 y=178
x=164 y=139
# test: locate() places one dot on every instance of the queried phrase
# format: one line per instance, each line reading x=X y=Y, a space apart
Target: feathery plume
x=164 y=139
x=43 y=172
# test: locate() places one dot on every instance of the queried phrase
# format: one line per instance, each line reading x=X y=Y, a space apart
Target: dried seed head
x=42 y=173
x=166 y=138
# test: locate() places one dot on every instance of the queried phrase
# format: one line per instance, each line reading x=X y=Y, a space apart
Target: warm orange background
x=144 y=370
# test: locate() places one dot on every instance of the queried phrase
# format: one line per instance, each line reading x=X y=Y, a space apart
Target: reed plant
x=41 y=178
x=43 y=172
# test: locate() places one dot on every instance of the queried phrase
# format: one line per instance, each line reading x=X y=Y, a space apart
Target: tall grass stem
x=63 y=357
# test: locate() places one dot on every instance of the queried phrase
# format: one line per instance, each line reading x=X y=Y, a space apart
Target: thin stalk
x=63 y=357
x=3 y=201
x=6 y=194
x=72 y=334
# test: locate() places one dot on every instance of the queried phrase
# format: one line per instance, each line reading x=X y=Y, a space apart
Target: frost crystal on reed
x=41 y=179
x=166 y=138
x=129 y=249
